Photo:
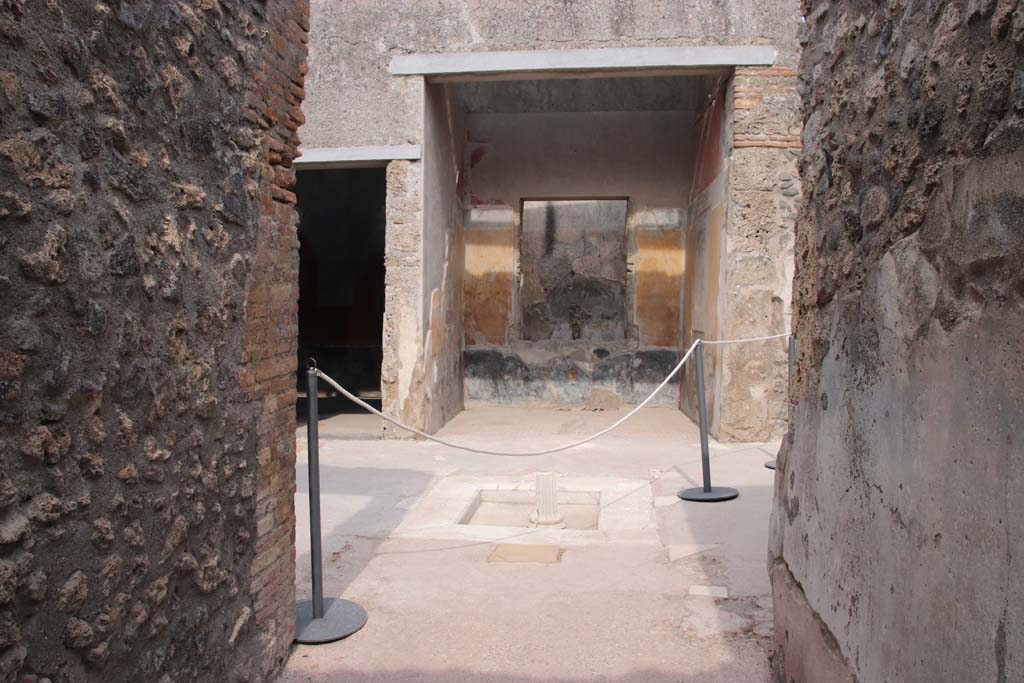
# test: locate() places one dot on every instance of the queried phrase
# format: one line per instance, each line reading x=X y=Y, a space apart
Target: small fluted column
x=546 y=512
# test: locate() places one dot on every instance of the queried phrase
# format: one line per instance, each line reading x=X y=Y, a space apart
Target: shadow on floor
x=410 y=675
x=329 y=406
x=367 y=505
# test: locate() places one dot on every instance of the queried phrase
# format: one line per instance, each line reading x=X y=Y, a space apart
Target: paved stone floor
x=360 y=426
x=637 y=600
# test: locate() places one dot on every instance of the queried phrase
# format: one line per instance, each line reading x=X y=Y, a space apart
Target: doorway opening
x=341 y=290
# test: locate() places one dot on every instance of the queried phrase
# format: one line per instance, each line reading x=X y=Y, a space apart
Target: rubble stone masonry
x=897 y=544
x=763 y=201
x=148 y=275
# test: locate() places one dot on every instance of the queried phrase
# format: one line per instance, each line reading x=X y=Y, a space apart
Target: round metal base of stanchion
x=770 y=464
x=717 y=494
x=341 y=619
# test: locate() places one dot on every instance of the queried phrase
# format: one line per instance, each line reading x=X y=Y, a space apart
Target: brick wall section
x=147 y=326
x=271 y=326
x=764 y=198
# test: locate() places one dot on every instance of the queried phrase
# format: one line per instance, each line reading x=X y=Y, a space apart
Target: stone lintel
x=580 y=63
x=354 y=157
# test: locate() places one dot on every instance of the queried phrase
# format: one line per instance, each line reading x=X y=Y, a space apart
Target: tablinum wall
x=735 y=215
x=354 y=101
x=572 y=264
x=705 y=249
x=740 y=253
x=644 y=156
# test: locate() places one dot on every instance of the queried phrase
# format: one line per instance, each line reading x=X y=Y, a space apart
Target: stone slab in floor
x=349 y=426
x=708 y=591
x=579 y=516
x=525 y=552
x=626 y=513
x=678 y=551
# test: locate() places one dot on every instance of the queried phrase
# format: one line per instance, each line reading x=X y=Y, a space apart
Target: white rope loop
x=743 y=341
x=366 y=406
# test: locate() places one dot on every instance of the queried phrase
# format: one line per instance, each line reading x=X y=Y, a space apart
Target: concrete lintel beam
x=597 y=62
x=354 y=157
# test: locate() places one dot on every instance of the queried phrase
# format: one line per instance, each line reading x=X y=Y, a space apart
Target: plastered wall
x=572 y=260
x=896 y=545
x=421 y=376
x=644 y=157
x=705 y=250
x=354 y=101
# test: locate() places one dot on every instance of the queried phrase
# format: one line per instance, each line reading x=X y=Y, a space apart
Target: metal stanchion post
x=707 y=493
x=771 y=464
x=342 y=618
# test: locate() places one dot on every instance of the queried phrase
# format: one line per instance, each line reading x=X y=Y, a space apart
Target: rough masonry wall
x=739 y=250
x=148 y=339
x=421 y=376
x=403 y=272
x=897 y=546
x=763 y=107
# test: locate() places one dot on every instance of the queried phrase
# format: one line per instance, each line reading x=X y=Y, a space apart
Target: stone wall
x=355 y=101
x=352 y=99
x=897 y=549
x=572 y=258
x=763 y=108
x=739 y=250
x=147 y=235
x=403 y=332
x=421 y=376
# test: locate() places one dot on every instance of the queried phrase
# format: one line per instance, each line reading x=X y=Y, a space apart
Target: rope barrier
x=742 y=341
x=366 y=406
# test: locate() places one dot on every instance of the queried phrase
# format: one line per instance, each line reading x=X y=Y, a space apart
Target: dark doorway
x=341 y=280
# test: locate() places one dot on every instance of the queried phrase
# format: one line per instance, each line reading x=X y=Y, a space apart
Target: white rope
x=741 y=341
x=366 y=406
x=363 y=404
